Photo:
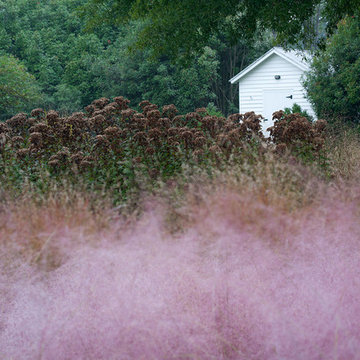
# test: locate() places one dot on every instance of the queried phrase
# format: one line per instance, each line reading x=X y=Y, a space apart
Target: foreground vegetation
x=114 y=147
x=247 y=250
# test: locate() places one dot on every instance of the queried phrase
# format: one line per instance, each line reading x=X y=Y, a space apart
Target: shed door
x=274 y=100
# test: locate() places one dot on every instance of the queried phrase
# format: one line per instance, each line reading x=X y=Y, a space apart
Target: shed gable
x=273 y=83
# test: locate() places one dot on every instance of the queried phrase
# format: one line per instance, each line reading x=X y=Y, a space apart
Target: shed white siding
x=260 y=92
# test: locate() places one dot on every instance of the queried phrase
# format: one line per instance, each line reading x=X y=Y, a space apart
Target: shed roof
x=297 y=58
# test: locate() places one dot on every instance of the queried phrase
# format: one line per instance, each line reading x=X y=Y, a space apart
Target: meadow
x=146 y=234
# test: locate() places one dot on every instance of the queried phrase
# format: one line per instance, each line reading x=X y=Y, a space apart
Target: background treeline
x=66 y=67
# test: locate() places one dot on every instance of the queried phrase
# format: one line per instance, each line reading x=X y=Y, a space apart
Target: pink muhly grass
x=244 y=282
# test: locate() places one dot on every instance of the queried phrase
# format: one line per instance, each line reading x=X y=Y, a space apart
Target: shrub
x=114 y=146
x=333 y=84
x=18 y=88
x=294 y=133
x=296 y=109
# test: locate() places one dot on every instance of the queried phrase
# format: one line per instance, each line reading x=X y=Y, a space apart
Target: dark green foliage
x=333 y=85
x=296 y=109
x=180 y=28
x=18 y=89
x=73 y=67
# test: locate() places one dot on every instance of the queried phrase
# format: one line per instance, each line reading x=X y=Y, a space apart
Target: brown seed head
x=17 y=141
x=41 y=128
x=100 y=103
x=200 y=141
x=112 y=132
x=36 y=139
x=127 y=114
x=77 y=157
x=37 y=113
x=149 y=150
x=101 y=140
x=280 y=149
x=4 y=128
x=17 y=121
x=169 y=111
x=90 y=109
x=85 y=164
x=122 y=102
x=22 y=153
x=320 y=126
x=144 y=103
x=52 y=117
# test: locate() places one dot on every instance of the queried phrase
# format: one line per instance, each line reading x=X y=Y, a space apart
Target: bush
x=18 y=88
x=296 y=109
x=293 y=133
x=113 y=146
x=333 y=84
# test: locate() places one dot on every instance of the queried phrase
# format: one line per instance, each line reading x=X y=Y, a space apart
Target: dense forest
x=71 y=66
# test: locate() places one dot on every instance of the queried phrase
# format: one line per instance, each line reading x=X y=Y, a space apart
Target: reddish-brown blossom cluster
x=293 y=130
x=111 y=130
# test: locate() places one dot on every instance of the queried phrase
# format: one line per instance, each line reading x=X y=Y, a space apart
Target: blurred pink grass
x=244 y=281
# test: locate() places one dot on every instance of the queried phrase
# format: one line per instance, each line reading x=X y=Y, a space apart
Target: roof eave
x=261 y=59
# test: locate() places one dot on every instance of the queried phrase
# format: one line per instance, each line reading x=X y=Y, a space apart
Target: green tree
x=179 y=28
x=73 y=67
x=138 y=77
x=18 y=89
x=333 y=84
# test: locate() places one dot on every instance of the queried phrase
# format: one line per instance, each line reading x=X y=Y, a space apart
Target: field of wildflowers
x=115 y=147
x=224 y=245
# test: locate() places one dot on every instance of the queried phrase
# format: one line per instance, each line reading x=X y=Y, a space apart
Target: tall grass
x=247 y=277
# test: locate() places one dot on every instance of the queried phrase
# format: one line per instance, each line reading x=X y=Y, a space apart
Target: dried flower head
x=37 y=113
x=22 y=153
x=85 y=164
x=101 y=141
x=320 y=126
x=4 y=128
x=17 y=121
x=144 y=103
x=17 y=141
x=280 y=149
x=154 y=133
x=153 y=115
x=54 y=163
x=112 y=132
x=52 y=117
x=100 y=103
x=169 y=111
x=90 y=109
x=36 y=139
x=200 y=141
x=122 y=102
x=164 y=122
x=127 y=114
x=202 y=111
x=192 y=116
x=77 y=157
x=41 y=128
x=173 y=131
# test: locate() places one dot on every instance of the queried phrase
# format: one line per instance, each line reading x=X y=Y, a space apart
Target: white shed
x=273 y=82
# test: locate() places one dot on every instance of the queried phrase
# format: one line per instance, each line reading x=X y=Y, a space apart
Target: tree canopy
x=72 y=67
x=333 y=84
x=17 y=87
x=182 y=27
